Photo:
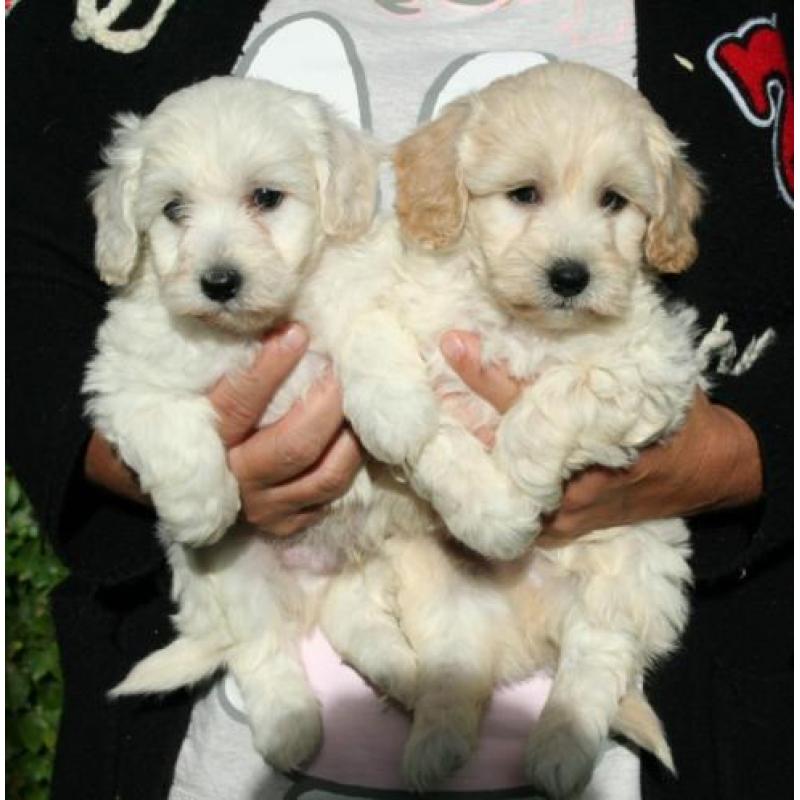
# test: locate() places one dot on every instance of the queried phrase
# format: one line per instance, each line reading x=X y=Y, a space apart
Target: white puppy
x=537 y=213
x=214 y=214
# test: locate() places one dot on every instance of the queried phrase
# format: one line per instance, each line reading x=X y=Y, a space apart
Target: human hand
x=713 y=462
x=288 y=471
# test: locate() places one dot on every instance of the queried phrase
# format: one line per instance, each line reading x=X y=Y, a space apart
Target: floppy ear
x=431 y=199
x=348 y=178
x=670 y=244
x=115 y=187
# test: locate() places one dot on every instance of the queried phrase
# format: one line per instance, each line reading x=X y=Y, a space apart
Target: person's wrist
x=740 y=467
x=103 y=467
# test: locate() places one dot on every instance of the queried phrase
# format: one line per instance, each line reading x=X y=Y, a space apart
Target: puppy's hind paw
x=433 y=754
x=290 y=736
x=559 y=760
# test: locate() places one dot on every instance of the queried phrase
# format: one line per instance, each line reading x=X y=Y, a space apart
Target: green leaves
x=33 y=677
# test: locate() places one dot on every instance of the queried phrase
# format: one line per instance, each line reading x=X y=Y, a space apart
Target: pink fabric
x=311 y=558
x=370 y=734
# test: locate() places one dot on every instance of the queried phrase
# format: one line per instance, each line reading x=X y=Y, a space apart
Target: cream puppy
x=537 y=213
x=220 y=215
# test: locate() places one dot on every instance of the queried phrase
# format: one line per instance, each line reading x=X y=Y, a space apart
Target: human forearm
x=104 y=468
x=712 y=463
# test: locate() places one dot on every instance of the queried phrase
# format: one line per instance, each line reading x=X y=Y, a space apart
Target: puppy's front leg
x=568 y=419
x=479 y=503
x=393 y=409
x=172 y=444
x=387 y=394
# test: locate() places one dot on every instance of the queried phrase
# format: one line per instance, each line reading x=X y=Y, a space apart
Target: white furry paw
x=393 y=420
x=560 y=759
x=498 y=531
x=433 y=753
x=478 y=502
x=288 y=734
x=505 y=541
x=199 y=512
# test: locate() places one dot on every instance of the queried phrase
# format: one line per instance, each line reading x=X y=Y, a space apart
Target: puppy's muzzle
x=567 y=277
x=221 y=283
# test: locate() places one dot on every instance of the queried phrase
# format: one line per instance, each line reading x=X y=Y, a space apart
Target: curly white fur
x=177 y=199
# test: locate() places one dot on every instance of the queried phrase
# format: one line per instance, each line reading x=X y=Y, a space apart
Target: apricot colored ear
x=431 y=199
x=670 y=243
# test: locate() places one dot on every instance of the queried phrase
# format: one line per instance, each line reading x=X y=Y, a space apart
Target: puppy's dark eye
x=525 y=195
x=612 y=201
x=266 y=199
x=175 y=210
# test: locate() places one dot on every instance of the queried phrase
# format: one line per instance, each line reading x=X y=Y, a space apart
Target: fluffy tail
x=637 y=720
x=182 y=663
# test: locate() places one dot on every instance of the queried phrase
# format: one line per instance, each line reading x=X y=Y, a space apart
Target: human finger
x=292 y=524
x=240 y=398
x=462 y=350
x=327 y=480
x=291 y=507
x=288 y=447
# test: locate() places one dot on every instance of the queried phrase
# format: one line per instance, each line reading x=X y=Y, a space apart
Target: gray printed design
x=401 y=7
x=408 y=7
x=430 y=103
x=227 y=704
x=359 y=75
x=308 y=787
x=516 y=60
x=298 y=785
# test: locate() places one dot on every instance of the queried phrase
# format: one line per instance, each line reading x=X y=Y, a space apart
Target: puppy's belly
x=307 y=557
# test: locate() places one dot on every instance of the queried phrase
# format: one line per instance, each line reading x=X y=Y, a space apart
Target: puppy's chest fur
x=144 y=351
x=650 y=350
x=181 y=355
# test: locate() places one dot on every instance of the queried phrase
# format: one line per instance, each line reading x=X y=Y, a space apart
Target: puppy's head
x=565 y=180
x=227 y=191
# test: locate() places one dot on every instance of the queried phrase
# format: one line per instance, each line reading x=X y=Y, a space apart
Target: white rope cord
x=753 y=351
x=719 y=343
x=96 y=25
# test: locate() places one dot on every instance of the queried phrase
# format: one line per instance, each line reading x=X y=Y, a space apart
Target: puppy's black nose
x=221 y=283
x=567 y=277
